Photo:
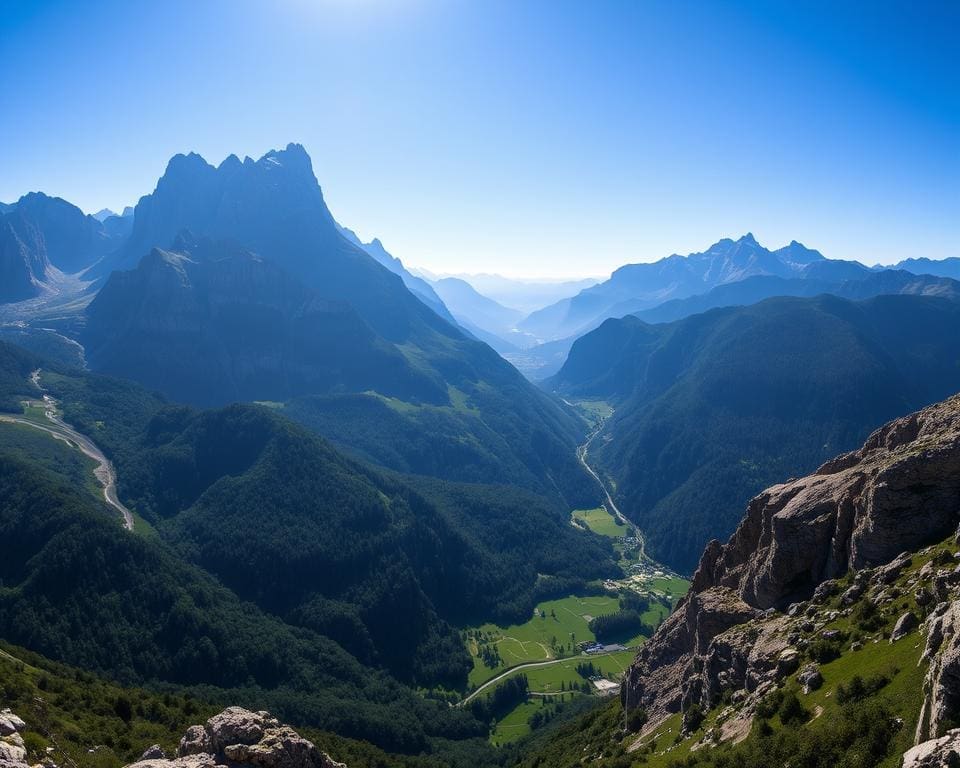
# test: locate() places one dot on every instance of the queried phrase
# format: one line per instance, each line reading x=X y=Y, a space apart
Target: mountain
x=475 y=311
x=712 y=408
x=523 y=295
x=945 y=268
x=42 y=237
x=416 y=285
x=286 y=308
x=103 y=214
x=798 y=643
x=640 y=286
x=755 y=289
x=544 y=360
x=211 y=323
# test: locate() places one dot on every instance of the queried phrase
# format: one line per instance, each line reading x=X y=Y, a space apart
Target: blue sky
x=523 y=137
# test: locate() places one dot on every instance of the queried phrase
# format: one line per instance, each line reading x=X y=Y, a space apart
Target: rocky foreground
x=239 y=737
x=757 y=601
x=236 y=738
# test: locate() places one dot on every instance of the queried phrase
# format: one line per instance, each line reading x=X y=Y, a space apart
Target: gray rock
x=10 y=723
x=810 y=677
x=787 y=662
x=905 y=624
x=857 y=513
x=824 y=590
x=238 y=737
x=154 y=752
x=935 y=753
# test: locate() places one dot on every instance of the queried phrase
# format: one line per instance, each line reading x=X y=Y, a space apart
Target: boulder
x=10 y=723
x=810 y=677
x=935 y=753
x=905 y=624
x=238 y=737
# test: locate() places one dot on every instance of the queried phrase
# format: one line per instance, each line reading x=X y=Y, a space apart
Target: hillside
x=285 y=307
x=798 y=643
x=349 y=588
x=712 y=408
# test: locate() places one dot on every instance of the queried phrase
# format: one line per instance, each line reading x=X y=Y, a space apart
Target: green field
x=557 y=681
x=558 y=627
x=673 y=587
x=601 y=522
x=594 y=411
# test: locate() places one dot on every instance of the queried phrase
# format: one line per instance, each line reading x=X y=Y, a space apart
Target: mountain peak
x=294 y=158
x=748 y=239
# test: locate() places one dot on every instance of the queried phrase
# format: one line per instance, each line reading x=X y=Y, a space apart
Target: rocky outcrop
x=942 y=684
x=13 y=751
x=862 y=512
x=936 y=753
x=899 y=492
x=238 y=737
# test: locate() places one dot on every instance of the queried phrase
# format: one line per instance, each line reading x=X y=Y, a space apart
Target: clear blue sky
x=517 y=136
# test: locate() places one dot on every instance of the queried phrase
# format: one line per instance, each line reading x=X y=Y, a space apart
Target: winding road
x=509 y=671
x=611 y=504
x=104 y=472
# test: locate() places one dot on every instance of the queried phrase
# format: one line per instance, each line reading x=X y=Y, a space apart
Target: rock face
x=936 y=753
x=901 y=491
x=13 y=752
x=942 y=685
x=239 y=737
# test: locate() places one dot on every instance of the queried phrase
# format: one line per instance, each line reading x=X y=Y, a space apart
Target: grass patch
x=601 y=522
x=558 y=627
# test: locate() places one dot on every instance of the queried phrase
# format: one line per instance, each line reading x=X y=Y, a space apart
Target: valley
x=43 y=414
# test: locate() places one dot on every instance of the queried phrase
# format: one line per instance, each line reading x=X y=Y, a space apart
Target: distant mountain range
x=729 y=273
x=525 y=295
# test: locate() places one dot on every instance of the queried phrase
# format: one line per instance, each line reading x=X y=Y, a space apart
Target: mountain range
x=344 y=503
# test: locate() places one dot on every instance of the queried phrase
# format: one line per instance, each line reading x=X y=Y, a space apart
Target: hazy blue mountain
x=479 y=313
x=210 y=323
x=712 y=408
x=119 y=227
x=417 y=285
x=523 y=294
x=42 y=236
x=294 y=310
x=640 y=286
x=760 y=287
x=945 y=268
x=103 y=214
